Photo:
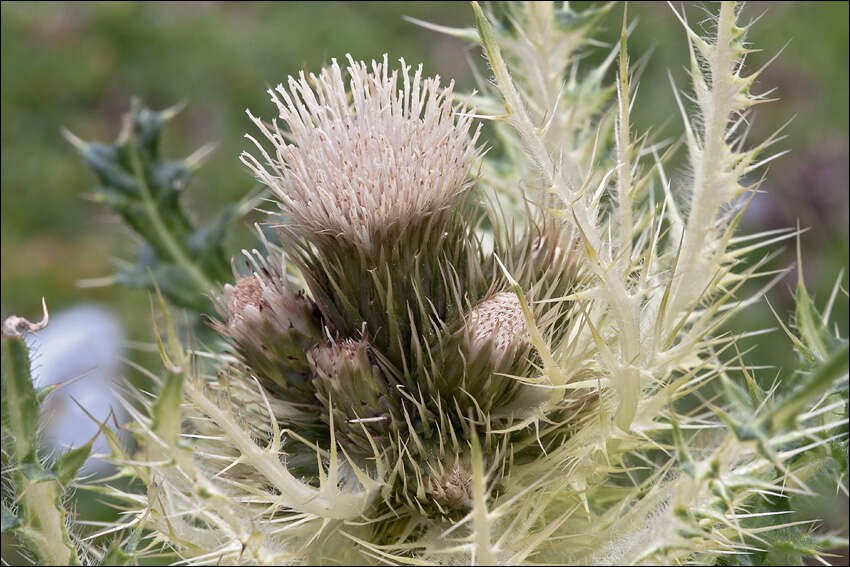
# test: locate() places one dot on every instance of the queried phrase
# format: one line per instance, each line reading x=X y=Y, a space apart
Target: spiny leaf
x=116 y=556
x=33 y=470
x=582 y=22
x=42 y=517
x=70 y=463
x=144 y=188
x=819 y=382
x=123 y=553
x=685 y=461
x=166 y=412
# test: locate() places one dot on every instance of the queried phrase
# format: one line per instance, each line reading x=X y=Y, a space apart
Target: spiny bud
x=491 y=341
x=348 y=381
x=271 y=328
x=451 y=490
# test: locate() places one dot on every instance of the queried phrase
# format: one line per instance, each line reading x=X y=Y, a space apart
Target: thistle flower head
x=388 y=150
x=270 y=327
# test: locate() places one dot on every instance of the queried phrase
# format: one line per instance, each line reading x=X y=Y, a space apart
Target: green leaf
x=581 y=22
x=71 y=462
x=117 y=556
x=123 y=553
x=166 y=412
x=144 y=187
x=806 y=313
x=42 y=517
x=683 y=455
x=36 y=473
x=734 y=393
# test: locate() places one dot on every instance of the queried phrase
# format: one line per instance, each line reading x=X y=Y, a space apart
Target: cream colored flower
x=386 y=151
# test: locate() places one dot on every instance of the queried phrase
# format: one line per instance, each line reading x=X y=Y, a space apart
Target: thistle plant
x=454 y=350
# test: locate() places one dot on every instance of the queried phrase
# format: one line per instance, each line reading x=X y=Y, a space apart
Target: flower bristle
x=368 y=157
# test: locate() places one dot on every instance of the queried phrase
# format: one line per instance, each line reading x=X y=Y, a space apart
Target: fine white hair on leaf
x=382 y=152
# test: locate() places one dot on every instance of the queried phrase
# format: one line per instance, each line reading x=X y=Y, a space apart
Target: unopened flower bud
x=491 y=342
x=451 y=490
x=346 y=379
x=271 y=327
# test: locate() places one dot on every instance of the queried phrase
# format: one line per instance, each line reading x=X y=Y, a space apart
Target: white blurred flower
x=81 y=347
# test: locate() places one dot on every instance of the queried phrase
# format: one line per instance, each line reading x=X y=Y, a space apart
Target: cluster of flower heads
x=410 y=333
x=424 y=374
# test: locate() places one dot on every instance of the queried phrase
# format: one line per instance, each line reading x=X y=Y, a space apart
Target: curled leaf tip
x=16 y=326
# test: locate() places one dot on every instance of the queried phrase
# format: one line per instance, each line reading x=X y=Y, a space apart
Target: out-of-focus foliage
x=144 y=188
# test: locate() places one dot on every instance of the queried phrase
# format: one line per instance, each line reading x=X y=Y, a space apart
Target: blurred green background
x=76 y=65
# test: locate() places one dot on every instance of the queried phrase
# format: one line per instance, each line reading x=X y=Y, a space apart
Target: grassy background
x=76 y=65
